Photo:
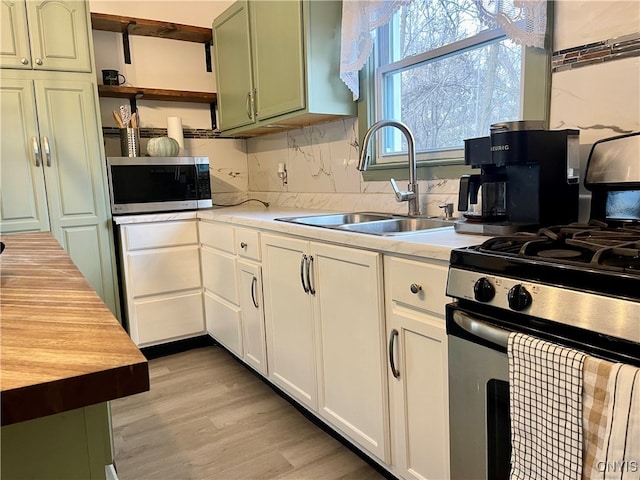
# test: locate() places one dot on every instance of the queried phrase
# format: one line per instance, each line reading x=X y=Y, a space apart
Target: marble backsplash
x=321 y=169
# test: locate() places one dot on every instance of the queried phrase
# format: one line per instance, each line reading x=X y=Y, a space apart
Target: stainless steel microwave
x=158 y=184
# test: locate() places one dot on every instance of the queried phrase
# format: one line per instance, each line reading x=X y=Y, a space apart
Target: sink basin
x=336 y=220
x=372 y=223
x=397 y=226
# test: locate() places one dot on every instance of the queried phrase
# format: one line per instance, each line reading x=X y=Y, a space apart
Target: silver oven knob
x=519 y=298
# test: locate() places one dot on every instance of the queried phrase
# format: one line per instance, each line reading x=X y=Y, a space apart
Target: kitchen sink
x=337 y=220
x=398 y=226
x=371 y=223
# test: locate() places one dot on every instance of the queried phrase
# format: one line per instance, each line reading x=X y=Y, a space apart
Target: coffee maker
x=529 y=178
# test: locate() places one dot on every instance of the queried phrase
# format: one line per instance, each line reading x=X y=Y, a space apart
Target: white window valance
x=524 y=21
x=359 y=19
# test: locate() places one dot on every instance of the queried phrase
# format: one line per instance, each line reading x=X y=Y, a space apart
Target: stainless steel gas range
x=575 y=285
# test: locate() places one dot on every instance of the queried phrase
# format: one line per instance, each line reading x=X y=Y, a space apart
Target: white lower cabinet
x=418 y=379
x=232 y=283
x=325 y=334
x=251 y=307
x=162 y=282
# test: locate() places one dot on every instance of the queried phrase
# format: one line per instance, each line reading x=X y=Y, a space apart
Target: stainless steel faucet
x=411 y=195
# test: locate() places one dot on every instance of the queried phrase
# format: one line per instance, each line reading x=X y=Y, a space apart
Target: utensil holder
x=130 y=142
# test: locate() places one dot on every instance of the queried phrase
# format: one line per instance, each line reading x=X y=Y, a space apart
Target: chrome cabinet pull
x=243 y=245
x=303 y=262
x=38 y=61
x=254 y=284
x=47 y=150
x=249 y=106
x=253 y=102
x=415 y=288
x=36 y=151
x=312 y=290
x=24 y=61
x=392 y=363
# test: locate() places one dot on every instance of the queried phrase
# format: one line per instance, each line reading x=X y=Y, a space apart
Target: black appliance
x=576 y=285
x=158 y=184
x=528 y=178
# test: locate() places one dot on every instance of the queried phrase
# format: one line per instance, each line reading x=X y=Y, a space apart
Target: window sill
x=433 y=170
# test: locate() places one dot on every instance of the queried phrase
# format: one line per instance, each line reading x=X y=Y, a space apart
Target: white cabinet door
x=350 y=346
x=419 y=394
x=288 y=318
x=252 y=311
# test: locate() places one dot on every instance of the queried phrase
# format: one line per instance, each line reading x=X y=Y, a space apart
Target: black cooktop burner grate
x=595 y=245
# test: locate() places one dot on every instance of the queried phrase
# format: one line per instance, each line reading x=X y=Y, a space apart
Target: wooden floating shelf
x=133 y=93
x=150 y=28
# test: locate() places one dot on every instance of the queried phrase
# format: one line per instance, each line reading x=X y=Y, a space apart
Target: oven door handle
x=478 y=328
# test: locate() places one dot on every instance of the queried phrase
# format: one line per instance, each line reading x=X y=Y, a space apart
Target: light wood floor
x=207 y=417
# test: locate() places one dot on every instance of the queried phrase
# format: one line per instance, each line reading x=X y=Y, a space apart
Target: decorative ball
x=163 y=147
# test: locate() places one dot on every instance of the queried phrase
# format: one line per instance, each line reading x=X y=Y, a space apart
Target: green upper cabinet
x=278 y=57
x=276 y=69
x=45 y=35
x=233 y=66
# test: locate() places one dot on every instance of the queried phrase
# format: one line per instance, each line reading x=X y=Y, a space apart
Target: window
x=439 y=70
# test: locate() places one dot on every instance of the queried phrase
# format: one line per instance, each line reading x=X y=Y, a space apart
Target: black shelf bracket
x=133 y=101
x=125 y=44
x=207 y=56
x=214 y=123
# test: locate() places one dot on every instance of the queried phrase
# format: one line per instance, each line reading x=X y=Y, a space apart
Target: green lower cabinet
x=70 y=445
x=53 y=174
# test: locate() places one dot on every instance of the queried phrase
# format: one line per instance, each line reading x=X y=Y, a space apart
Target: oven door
x=480 y=434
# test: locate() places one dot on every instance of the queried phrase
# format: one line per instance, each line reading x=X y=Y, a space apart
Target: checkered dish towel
x=611 y=419
x=545 y=382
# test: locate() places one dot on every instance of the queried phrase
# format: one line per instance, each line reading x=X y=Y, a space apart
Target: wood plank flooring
x=207 y=417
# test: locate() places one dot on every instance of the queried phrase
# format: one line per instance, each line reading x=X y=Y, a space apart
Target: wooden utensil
x=116 y=116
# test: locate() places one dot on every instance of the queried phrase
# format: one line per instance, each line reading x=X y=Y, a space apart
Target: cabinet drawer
x=430 y=278
x=248 y=242
x=161 y=319
x=161 y=234
x=223 y=322
x=217 y=236
x=160 y=271
x=219 y=274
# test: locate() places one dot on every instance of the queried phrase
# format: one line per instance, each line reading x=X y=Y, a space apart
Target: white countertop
x=432 y=244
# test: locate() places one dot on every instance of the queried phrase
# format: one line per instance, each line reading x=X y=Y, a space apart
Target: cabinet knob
x=243 y=245
x=24 y=61
x=38 y=61
x=415 y=288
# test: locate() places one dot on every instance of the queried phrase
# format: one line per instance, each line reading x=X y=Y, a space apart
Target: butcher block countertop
x=61 y=347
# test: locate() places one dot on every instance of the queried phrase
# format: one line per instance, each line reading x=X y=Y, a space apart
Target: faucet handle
x=401 y=196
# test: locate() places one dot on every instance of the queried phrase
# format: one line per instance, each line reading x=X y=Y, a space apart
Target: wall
x=600 y=100
x=174 y=65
